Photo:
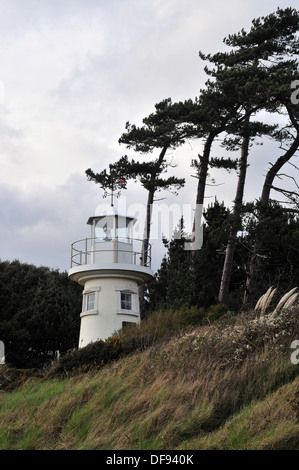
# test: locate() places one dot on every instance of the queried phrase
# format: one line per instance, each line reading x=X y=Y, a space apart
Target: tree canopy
x=246 y=98
x=40 y=313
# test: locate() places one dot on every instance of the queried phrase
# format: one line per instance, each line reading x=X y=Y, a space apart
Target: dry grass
x=230 y=385
x=264 y=301
x=267 y=424
x=287 y=301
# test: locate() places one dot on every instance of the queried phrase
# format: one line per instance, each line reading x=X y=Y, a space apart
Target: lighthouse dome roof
x=105 y=210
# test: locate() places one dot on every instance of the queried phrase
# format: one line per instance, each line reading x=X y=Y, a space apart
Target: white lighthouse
x=109 y=265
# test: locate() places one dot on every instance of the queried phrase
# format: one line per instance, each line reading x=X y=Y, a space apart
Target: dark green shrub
x=216 y=311
x=189 y=316
x=92 y=356
x=11 y=377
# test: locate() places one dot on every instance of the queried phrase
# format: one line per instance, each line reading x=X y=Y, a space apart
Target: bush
x=11 y=377
x=189 y=316
x=92 y=356
x=214 y=312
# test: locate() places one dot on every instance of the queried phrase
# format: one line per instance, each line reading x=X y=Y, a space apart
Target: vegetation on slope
x=227 y=385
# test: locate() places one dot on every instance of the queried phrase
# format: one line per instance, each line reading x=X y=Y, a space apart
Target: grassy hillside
x=227 y=385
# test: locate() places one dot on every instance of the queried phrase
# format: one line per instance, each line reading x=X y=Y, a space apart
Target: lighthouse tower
x=109 y=265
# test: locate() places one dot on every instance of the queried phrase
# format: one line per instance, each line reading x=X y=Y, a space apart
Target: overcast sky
x=72 y=72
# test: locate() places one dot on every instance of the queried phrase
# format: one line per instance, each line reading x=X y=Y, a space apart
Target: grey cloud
x=38 y=227
x=147 y=51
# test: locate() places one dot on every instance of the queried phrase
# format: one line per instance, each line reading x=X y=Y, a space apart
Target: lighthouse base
x=110 y=298
x=108 y=305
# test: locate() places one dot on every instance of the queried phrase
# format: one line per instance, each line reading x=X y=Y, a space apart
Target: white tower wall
x=108 y=315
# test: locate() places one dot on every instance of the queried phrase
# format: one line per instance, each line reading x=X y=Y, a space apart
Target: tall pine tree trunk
x=203 y=169
x=230 y=250
x=148 y=221
x=150 y=199
x=203 y=173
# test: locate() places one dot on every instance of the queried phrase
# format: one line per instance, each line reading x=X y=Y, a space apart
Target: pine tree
x=161 y=130
x=261 y=56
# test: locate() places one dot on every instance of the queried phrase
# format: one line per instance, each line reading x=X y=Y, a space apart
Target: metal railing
x=86 y=250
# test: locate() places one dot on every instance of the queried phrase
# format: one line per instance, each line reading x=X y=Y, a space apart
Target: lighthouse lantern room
x=110 y=267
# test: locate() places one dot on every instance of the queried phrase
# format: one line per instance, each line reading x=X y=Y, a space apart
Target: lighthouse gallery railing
x=83 y=250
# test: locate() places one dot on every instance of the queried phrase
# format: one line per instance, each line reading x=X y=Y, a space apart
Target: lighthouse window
x=90 y=301
x=123 y=231
x=104 y=230
x=126 y=301
x=90 y=304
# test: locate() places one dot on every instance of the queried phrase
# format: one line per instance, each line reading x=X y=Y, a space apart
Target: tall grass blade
x=284 y=299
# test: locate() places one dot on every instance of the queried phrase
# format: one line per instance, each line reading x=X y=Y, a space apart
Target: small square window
x=125 y=301
x=90 y=301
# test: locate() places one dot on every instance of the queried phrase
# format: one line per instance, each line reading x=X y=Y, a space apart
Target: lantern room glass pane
x=104 y=230
x=123 y=231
